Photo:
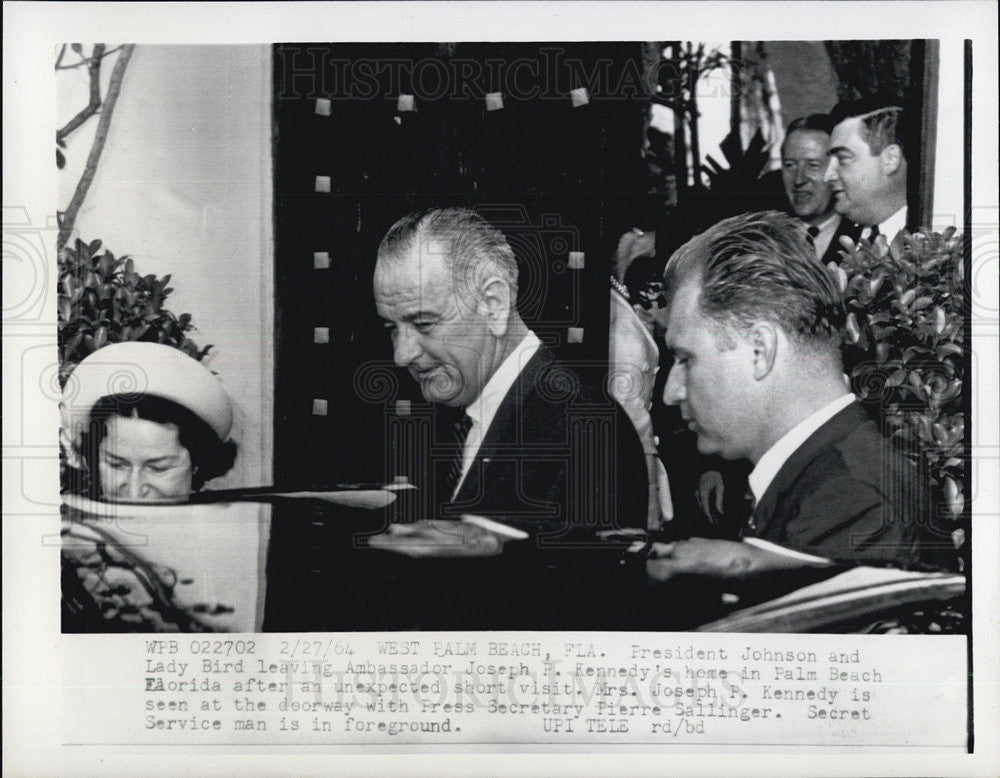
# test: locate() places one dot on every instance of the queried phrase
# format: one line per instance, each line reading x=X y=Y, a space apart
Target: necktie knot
x=811 y=233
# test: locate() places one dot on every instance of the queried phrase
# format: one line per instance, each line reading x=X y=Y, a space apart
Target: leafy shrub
x=103 y=299
x=105 y=587
x=108 y=587
x=904 y=351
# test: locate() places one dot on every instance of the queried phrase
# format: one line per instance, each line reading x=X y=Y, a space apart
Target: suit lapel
x=837 y=428
x=507 y=425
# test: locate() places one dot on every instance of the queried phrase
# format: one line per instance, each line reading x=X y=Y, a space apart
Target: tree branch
x=83 y=186
x=94 y=70
x=79 y=64
x=83 y=61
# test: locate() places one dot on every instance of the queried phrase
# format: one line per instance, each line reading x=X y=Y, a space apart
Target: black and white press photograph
x=524 y=388
x=648 y=335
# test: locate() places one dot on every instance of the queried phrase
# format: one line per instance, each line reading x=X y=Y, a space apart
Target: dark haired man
x=804 y=159
x=869 y=148
x=755 y=324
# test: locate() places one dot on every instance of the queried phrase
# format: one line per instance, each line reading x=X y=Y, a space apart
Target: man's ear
x=891 y=157
x=495 y=303
x=763 y=338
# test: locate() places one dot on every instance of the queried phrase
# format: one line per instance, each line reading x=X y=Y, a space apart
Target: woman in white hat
x=141 y=422
x=145 y=422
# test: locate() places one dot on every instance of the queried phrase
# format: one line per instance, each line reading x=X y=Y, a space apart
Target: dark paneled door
x=557 y=170
x=544 y=139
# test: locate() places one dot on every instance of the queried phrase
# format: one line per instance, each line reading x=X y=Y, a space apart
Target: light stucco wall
x=184 y=187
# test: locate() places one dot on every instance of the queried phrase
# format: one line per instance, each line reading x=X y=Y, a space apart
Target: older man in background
x=804 y=159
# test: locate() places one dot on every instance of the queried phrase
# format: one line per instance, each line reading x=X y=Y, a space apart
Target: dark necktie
x=749 y=506
x=460 y=431
x=811 y=234
x=874 y=234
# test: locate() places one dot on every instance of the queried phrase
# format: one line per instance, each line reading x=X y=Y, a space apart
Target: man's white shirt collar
x=890 y=227
x=776 y=456
x=485 y=407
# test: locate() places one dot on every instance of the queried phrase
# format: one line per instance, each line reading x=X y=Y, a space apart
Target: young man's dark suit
x=845 y=494
x=846 y=227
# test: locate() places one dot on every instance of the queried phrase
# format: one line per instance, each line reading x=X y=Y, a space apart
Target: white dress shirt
x=767 y=468
x=484 y=408
x=890 y=227
x=827 y=228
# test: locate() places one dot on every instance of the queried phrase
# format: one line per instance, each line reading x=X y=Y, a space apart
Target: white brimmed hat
x=136 y=369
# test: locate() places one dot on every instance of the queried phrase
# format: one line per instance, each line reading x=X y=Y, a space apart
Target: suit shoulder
x=859 y=472
x=861 y=455
x=832 y=482
x=843 y=510
x=871 y=457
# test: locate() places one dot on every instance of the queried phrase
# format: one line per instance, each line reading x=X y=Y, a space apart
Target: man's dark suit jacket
x=846 y=227
x=845 y=495
x=560 y=460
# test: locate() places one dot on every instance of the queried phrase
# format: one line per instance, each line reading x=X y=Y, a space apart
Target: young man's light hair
x=761 y=267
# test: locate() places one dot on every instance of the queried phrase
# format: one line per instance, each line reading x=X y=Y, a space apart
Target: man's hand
x=711 y=495
x=439 y=538
x=725 y=559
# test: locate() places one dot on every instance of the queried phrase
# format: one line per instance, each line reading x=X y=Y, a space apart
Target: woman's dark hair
x=210 y=457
